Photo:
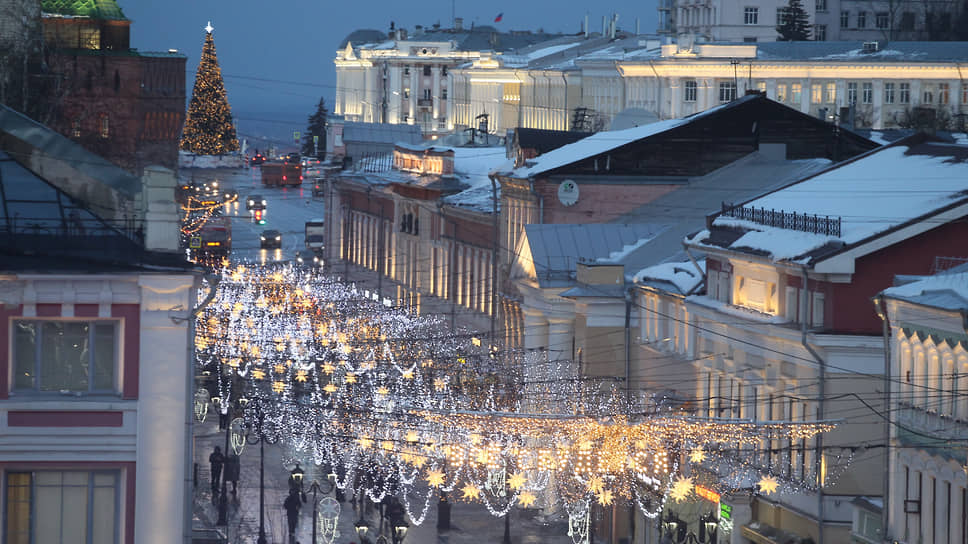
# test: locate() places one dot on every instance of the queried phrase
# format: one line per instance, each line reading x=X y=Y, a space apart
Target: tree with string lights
x=208 y=125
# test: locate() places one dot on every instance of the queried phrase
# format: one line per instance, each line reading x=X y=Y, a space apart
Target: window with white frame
x=690 y=91
x=61 y=507
x=944 y=94
x=791 y=303
x=727 y=91
x=905 y=93
x=821 y=5
x=861 y=19
x=755 y=290
x=817 y=309
x=781 y=92
x=830 y=93
x=782 y=15
x=889 y=93
x=816 y=93
x=65 y=356
x=881 y=19
x=751 y=16
x=796 y=93
x=820 y=33
x=844 y=19
x=851 y=92
x=867 y=97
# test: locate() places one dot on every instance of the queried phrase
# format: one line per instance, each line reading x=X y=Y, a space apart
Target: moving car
x=270 y=239
x=257 y=159
x=255 y=202
x=305 y=257
x=230 y=196
x=293 y=158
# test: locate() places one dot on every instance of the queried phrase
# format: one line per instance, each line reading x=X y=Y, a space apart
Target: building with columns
x=928 y=489
x=96 y=340
x=404 y=77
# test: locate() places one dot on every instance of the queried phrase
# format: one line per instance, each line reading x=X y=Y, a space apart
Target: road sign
x=315 y=138
x=295 y=136
x=195 y=242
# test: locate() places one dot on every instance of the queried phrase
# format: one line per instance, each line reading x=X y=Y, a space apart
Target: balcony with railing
x=931 y=431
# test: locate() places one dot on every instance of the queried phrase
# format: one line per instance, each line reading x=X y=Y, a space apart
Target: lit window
x=781 y=92
x=751 y=16
x=91 y=517
x=76 y=128
x=816 y=93
x=754 y=293
x=55 y=356
x=104 y=127
x=796 y=93
x=690 y=91
x=830 y=94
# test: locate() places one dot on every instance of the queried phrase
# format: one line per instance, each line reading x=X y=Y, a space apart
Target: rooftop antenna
x=584 y=26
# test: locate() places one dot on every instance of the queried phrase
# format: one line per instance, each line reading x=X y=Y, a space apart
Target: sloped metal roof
x=851 y=51
x=383 y=133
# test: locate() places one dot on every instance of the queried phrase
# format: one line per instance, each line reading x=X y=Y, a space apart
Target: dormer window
x=755 y=287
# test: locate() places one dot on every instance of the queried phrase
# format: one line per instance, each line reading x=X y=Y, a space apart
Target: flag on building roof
x=499 y=17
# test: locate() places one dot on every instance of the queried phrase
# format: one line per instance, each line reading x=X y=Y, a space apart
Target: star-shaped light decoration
x=439 y=384
x=595 y=484
x=435 y=478
x=526 y=499
x=681 y=489
x=365 y=443
x=471 y=491
x=329 y=388
x=697 y=455
x=408 y=374
x=517 y=481
x=328 y=368
x=605 y=497
x=350 y=377
x=258 y=373
x=278 y=387
x=209 y=28
x=301 y=376
x=768 y=485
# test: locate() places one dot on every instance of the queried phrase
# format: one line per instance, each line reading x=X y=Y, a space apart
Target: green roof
x=95 y=9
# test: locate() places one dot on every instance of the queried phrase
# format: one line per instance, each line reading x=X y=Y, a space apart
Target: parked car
x=270 y=239
x=255 y=202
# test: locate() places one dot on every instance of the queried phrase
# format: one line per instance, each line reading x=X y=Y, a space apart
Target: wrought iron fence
x=803 y=222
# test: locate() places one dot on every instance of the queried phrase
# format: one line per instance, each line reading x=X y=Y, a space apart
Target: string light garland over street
x=391 y=405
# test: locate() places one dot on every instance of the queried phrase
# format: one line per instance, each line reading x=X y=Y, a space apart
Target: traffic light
x=260 y=217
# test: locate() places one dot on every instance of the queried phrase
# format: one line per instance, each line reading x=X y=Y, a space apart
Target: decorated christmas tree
x=208 y=125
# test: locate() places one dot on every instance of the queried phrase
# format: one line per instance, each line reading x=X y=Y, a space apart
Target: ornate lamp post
x=361 y=530
x=315 y=487
x=223 y=501
x=261 y=439
x=400 y=530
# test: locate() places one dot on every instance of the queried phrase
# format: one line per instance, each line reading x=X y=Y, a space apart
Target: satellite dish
x=632 y=117
x=568 y=192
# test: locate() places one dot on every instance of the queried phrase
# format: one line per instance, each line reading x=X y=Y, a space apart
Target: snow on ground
x=870 y=195
x=682 y=274
x=191 y=160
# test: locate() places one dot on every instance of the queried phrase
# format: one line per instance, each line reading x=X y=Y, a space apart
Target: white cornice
x=791 y=70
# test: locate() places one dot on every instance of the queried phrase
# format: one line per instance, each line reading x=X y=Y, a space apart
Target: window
x=851 y=93
x=57 y=356
x=781 y=92
x=406 y=69
x=796 y=93
x=944 y=94
x=68 y=506
x=406 y=93
x=905 y=93
x=888 y=93
x=442 y=122
x=426 y=94
x=443 y=71
x=868 y=96
x=817 y=310
x=104 y=126
x=861 y=19
x=881 y=19
x=690 y=91
x=443 y=94
x=727 y=91
x=761 y=87
x=751 y=16
x=749 y=39
x=820 y=33
x=755 y=293
x=426 y=69
x=830 y=93
x=816 y=93
x=844 y=19
x=821 y=5
x=927 y=97
x=76 y=128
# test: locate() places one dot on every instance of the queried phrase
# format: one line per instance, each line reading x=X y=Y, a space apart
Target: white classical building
x=928 y=499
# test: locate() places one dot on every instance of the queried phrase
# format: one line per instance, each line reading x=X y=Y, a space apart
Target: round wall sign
x=568 y=192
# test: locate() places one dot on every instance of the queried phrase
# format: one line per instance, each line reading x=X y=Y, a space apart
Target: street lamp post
x=314 y=487
x=223 y=501
x=260 y=438
x=400 y=530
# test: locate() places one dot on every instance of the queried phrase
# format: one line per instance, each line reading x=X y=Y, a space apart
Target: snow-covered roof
x=682 y=275
x=872 y=194
x=603 y=142
x=946 y=290
x=851 y=51
x=471 y=165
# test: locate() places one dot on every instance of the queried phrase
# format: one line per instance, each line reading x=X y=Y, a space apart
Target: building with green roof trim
x=95 y=9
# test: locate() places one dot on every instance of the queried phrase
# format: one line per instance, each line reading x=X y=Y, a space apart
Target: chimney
x=585 y=26
x=161 y=212
x=418 y=30
x=402 y=34
x=604 y=26
x=458 y=23
x=636 y=26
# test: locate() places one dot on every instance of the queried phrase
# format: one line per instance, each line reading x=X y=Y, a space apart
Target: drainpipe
x=494 y=282
x=881 y=308
x=564 y=86
x=820 y=407
x=658 y=90
x=540 y=202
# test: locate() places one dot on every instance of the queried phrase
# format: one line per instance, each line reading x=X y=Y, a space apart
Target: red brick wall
x=142 y=97
x=598 y=203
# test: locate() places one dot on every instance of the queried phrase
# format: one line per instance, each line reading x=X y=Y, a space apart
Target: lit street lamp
x=400 y=530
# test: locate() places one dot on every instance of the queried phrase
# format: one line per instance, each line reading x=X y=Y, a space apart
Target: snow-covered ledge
x=191 y=160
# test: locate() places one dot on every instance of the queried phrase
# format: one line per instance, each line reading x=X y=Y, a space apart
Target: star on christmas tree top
x=209 y=28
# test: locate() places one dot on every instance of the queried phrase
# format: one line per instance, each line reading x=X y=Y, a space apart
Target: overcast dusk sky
x=278 y=56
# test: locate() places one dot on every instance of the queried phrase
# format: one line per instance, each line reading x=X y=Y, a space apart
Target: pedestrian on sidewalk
x=233 y=467
x=216 y=460
x=292 y=505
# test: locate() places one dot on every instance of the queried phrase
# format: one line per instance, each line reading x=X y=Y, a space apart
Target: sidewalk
x=470 y=522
